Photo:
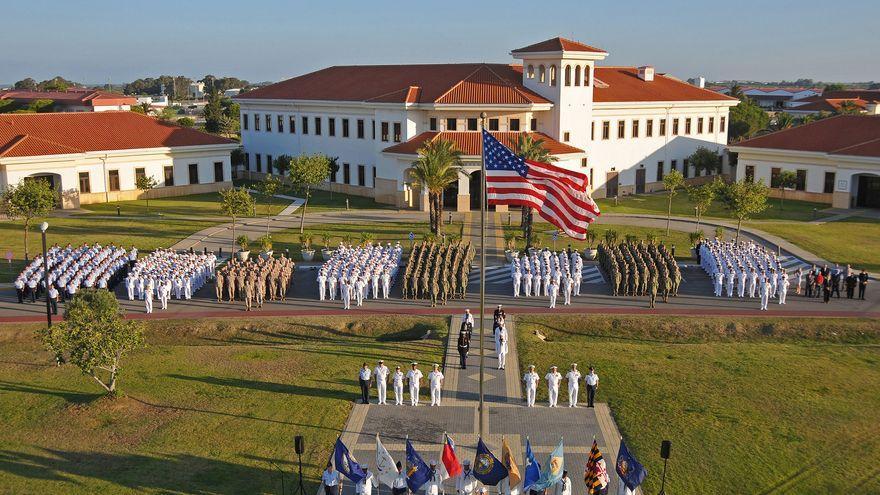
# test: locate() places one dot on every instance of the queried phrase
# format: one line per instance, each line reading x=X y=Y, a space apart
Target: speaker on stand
x=665 y=448
x=299 y=447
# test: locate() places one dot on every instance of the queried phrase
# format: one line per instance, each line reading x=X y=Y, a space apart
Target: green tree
x=782 y=121
x=94 y=337
x=705 y=160
x=213 y=113
x=743 y=200
x=26 y=84
x=168 y=114
x=334 y=169
x=785 y=180
x=42 y=105
x=31 y=198
x=702 y=197
x=282 y=164
x=849 y=107
x=268 y=188
x=438 y=166
x=146 y=183
x=531 y=149
x=306 y=172
x=736 y=91
x=673 y=181
x=746 y=119
x=187 y=122
x=833 y=87
x=234 y=203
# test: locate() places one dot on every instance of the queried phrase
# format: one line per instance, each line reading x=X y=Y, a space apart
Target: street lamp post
x=43 y=228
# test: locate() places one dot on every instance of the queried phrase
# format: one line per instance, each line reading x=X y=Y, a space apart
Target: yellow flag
x=509 y=463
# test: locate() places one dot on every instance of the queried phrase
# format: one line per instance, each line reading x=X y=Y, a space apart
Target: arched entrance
x=866 y=189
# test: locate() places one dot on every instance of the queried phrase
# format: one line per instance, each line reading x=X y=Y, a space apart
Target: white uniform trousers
x=414 y=394
x=398 y=394
x=553 y=395
x=382 y=388
x=573 y=395
x=435 y=395
x=530 y=396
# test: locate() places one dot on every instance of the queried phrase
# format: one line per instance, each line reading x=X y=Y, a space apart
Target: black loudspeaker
x=665 y=447
x=299 y=444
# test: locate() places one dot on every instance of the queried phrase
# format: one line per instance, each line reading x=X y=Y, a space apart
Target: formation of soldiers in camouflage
x=640 y=270
x=438 y=271
x=254 y=281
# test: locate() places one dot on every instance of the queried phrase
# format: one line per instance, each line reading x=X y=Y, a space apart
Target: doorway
x=868 y=192
x=640 y=181
x=611 y=181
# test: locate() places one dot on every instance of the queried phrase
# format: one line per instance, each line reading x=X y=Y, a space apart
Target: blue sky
x=272 y=39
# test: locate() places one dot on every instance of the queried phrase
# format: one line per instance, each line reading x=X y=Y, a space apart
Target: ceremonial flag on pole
x=487 y=468
x=533 y=469
x=346 y=463
x=417 y=472
x=509 y=463
x=631 y=471
x=552 y=472
x=595 y=472
x=386 y=470
x=560 y=195
x=451 y=466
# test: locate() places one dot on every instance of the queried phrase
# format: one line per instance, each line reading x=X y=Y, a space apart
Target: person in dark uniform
x=835 y=283
x=863 y=283
x=826 y=289
x=464 y=345
x=851 y=281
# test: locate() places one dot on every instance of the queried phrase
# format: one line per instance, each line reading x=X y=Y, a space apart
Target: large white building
x=96 y=157
x=624 y=126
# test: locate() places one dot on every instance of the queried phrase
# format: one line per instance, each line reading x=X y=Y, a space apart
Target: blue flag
x=346 y=463
x=417 y=472
x=552 y=472
x=487 y=468
x=631 y=471
x=533 y=469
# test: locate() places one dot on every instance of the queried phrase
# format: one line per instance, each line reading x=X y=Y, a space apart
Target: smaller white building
x=97 y=157
x=836 y=160
x=196 y=90
x=73 y=99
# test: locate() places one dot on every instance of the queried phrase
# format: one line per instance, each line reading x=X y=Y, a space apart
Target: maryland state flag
x=595 y=472
x=509 y=463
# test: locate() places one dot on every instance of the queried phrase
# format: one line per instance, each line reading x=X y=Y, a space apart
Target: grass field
x=678 y=239
x=327 y=201
x=784 y=406
x=208 y=407
x=852 y=240
x=193 y=205
x=656 y=204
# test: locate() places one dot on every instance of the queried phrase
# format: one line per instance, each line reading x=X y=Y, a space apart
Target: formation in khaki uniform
x=252 y=281
x=640 y=269
x=438 y=271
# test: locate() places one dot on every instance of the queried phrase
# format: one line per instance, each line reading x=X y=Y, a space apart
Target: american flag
x=559 y=195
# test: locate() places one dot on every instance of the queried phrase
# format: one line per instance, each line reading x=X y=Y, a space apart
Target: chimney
x=646 y=73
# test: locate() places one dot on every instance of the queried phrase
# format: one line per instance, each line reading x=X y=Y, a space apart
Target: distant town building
x=196 y=90
x=837 y=160
x=229 y=93
x=160 y=101
x=96 y=157
x=626 y=127
x=834 y=101
x=74 y=99
x=774 y=98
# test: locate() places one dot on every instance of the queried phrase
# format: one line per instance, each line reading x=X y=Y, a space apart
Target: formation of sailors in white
x=355 y=271
x=380 y=374
x=744 y=269
x=165 y=272
x=553 y=272
x=554 y=380
x=87 y=266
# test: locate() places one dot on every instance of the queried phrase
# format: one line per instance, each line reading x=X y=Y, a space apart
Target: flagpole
x=482 y=410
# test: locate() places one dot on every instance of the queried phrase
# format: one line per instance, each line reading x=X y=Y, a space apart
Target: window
x=534 y=125
x=541 y=74
x=649 y=127
x=113 y=177
x=346 y=173
x=305 y=125
x=700 y=125
x=552 y=75
x=344 y=127
x=675 y=127
x=591 y=179
x=193 y=173
x=269 y=164
x=268 y=123
x=514 y=125
x=621 y=129
x=801 y=184
x=291 y=124
x=317 y=126
x=373 y=128
x=362 y=175
x=687 y=126
x=673 y=165
x=451 y=125
x=218 y=171
x=259 y=162
x=567 y=75
x=244 y=121
x=583 y=162
x=531 y=72
x=85 y=185
x=432 y=123
x=774 y=176
x=685 y=169
x=711 y=125
x=256 y=122
x=828 y=189
x=592 y=131
x=360 y=129
x=606 y=130
x=169 y=172
x=566 y=136
x=472 y=124
x=721 y=124
x=374 y=175
x=281 y=123
x=385 y=131
x=577 y=75
x=635 y=128
x=493 y=124
x=397 y=132
x=586 y=75
x=138 y=173
x=750 y=173
x=662 y=127
x=659 y=171
x=331 y=126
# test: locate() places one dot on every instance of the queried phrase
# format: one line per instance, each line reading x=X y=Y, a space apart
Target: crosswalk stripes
x=792 y=263
x=496 y=275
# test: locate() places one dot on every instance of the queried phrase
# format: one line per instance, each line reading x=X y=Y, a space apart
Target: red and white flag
x=449 y=459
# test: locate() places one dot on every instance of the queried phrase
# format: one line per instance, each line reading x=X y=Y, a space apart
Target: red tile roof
x=73 y=96
x=38 y=134
x=557 y=45
x=869 y=95
x=857 y=135
x=470 y=142
x=622 y=84
x=430 y=83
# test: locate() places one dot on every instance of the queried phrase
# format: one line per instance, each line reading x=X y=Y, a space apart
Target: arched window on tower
x=552 y=75
x=577 y=75
x=586 y=75
x=568 y=75
x=541 y=73
x=531 y=72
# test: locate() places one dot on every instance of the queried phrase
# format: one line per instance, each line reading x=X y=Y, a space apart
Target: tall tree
x=306 y=172
x=213 y=112
x=736 y=91
x=743 y=200
x=746 y=119
x=705 y=160
x=236 y=203
x=27 y=84
x=672 y=182
x=268 y=188
x=29 y=199
x=146 y=183
x=436 y=169
x=531 y=149
x=702 y=197
x=785 y=180
x=94 y=337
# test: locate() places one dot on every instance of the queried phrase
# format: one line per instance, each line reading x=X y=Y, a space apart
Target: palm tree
x=782 y=121
x=736 y=91
x=531 y=149
x=437 y=167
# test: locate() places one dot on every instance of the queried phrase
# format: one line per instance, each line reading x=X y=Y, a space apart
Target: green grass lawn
x=193 y=205
x=678 y=239
x=852 y=240
x=752 y=406
x=656 y=204
x=207 y=407
x=327 y=201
